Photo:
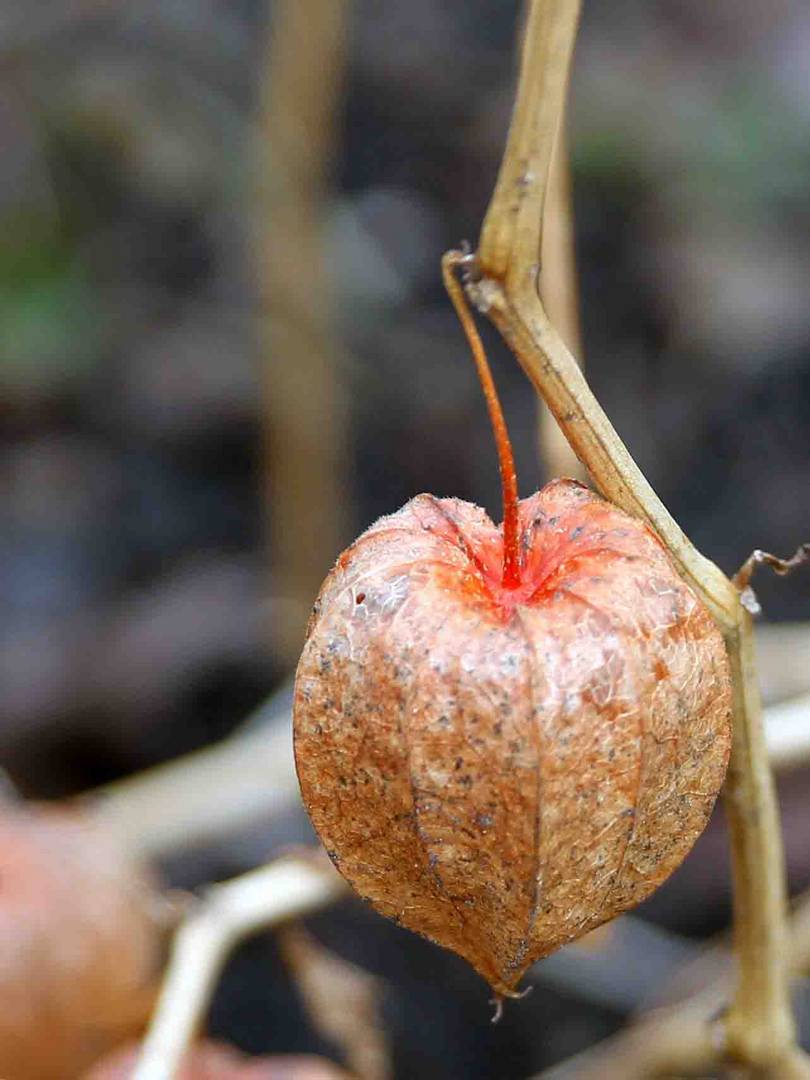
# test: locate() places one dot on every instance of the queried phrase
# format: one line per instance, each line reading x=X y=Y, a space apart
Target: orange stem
x=506 y=457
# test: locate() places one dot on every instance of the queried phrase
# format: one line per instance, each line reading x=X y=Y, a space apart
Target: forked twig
x=758 y=1029
x=227 y=913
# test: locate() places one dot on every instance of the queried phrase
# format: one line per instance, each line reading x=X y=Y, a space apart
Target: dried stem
x=678 y=1043
x=681 y=1039
x=305 y=407
x=560 y=294
x=228 y=913
x=343 y=1001
x=506 y=458
x=759 y=1028
x=170 y=808
x=779 y=566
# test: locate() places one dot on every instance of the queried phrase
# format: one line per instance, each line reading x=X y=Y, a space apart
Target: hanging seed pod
x=506 y=736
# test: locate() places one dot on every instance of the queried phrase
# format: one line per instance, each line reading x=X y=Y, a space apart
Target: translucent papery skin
x=504 y=770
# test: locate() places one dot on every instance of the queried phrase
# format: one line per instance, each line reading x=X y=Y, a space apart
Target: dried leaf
x=504 y=769
x=342 y=1001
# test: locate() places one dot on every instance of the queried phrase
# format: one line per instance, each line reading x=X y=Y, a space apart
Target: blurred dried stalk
x=787 y=733
x=679 y=1039
x=758 y=1030
x=677 y=1043
x=228 y=913
x=343 y=1002
x=170 y=808
x=783 y=651
x=558 y=288
x=305 y=443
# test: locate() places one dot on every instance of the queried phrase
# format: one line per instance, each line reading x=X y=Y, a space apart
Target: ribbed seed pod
x=503 y=766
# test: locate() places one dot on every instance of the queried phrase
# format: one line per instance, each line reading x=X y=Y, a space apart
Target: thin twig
x=226 y=914
x=783 y=567
x=759 y=1028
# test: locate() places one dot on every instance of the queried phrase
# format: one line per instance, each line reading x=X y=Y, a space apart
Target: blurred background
x=225 y=350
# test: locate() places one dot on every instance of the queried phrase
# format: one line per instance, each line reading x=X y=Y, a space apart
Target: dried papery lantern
x=505 y=736
x=81 y=943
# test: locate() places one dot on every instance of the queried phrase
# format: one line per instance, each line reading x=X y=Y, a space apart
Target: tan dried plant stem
x=560 y=295
x=287 y=889
x=305 y=407
x=758 y=1030
x=679 y=1039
